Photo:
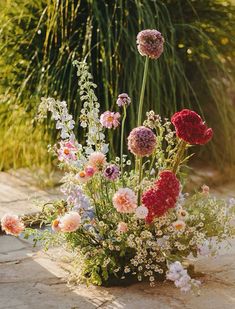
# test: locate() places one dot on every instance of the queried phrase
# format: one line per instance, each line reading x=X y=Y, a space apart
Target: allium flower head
x=12 y=224
x=97 y=160
x=190 y=127
x=150 y=43
x=123 y=99
x=70 y=222
x=111 y=172
x=141 y=141
x=110 y=120
x=125 y=200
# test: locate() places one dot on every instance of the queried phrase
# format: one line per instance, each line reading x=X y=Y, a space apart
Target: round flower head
x=205 y=190
x=70 y=222
x=142 y=141
x=111 y=172
x=123 y=99
x=179 y=225
x=125 y=200
x=190 y=127
x=110 y=120
x=56 y=225
x=141 y=212
x=122 y=227
x=89 y=170
x=12 y=224
x=150 y=43
x=97 y=160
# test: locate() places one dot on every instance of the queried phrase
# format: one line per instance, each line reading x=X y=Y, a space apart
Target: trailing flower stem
x=142 y=91
x=122 y=138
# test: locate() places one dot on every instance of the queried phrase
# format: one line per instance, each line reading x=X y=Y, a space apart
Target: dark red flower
x=190 y=127
x=162 y=196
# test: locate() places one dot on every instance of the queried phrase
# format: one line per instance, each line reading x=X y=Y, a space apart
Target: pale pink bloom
x=179 y=225
x=82 y=176
x=97 y=160
x=70 y=222
x=141 y=212
x=122 y=227
x=12 y=224
x=110 y=119
x=125 y=200
x=56 y=225
x=205 y=190
x=67 y=151
x=89 y=170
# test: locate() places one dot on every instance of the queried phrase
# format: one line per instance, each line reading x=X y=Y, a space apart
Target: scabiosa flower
x=97 y=160
x=89 y=170
x=125 y=200
x=123 y=99
x=150 y=43
x=12 y=224
x=70 y=222
x=141 y=141
x=190 y=127
x=122 y=227
x=111 y=172
x=141 y=212
x=110 y=120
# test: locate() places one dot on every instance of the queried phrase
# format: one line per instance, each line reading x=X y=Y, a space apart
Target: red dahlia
x=162 y=196
x=190 y=127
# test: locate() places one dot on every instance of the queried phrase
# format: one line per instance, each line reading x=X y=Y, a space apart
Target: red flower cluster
x=162 y=196
x=190 y=127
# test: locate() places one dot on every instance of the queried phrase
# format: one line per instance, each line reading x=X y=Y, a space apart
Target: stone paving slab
x=18 y=196
x=32 y=279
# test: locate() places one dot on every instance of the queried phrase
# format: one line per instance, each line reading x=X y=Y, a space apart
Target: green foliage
x=41 y=38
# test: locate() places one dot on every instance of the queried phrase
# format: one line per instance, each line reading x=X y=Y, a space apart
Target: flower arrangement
x=127 y=218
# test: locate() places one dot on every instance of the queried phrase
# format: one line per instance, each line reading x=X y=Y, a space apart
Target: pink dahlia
x=70 y=222
x=191 y=128
x=122 y=227
x=123 y=99
x=150 y=43
x=97 y=160
x=125 y=200
x=67 y=151
x=12 y=224
x=142 y=141
x=110 y=120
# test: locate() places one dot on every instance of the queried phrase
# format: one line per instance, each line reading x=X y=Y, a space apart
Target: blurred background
x=39 y=39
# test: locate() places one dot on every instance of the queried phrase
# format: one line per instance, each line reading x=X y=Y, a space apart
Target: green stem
x=142 y=91
x=122 y=139
x=179 y=156
x=140 y=177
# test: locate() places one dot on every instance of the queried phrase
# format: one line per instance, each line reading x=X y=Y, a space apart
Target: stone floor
x=33 y=279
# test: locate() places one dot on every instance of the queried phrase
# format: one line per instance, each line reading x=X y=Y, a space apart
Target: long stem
x=179 y=156
x=122 y=138
x=142 y=91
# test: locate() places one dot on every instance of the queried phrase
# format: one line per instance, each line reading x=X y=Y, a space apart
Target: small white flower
x=141 y=212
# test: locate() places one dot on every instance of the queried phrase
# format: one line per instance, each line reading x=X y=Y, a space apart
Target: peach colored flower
x=122 y=227
x=82 y=176
x=179 y=225
x=97 y=160
x=56 y=225
x=12 y=224
x=110 y=120
x=70 y=222
x=205 y=190
x=125 y=200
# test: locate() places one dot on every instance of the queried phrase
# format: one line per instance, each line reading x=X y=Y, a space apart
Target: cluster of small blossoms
x=180 y=277
x=59 y=111
x=89 y=117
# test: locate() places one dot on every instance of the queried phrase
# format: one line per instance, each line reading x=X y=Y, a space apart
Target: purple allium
x=123 y=99
x=141 y=141
x=150 y=43
x=111 y=172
